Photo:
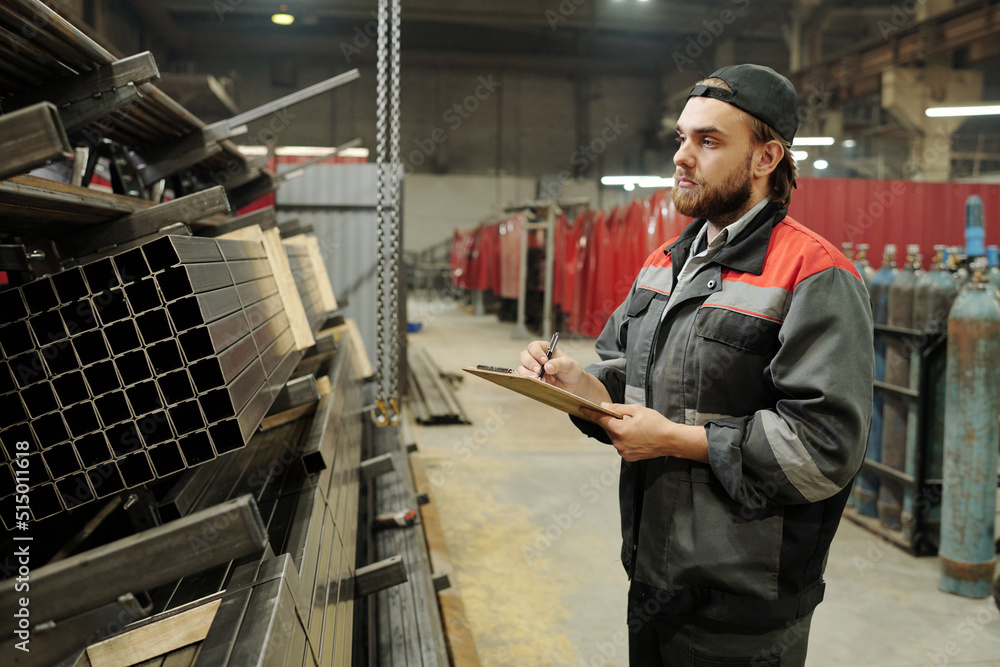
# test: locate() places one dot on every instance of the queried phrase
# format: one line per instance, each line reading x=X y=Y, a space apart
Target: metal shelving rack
x=269 y=531
x=916 y=535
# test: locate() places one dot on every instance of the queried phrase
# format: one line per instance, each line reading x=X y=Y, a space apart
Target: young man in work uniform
x=742 y=361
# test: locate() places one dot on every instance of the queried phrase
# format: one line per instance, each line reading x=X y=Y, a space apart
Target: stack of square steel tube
x=137 y=366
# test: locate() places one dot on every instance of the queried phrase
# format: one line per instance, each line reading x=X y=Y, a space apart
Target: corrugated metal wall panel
x=899 y=212
x=338 y=200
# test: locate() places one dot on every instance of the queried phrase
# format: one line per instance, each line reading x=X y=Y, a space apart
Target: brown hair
x=783 y=176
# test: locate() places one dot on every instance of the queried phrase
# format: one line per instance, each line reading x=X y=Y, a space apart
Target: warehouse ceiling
x=623 y=36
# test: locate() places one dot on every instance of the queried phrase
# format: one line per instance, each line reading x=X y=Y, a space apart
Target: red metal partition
x=598 y=255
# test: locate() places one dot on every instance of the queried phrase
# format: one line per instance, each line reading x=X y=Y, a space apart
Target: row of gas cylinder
x=960 y=385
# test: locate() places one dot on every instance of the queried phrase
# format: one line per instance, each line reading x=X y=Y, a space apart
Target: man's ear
x=767 y=157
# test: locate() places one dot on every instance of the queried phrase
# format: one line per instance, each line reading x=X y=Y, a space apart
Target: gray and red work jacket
x=770 y=348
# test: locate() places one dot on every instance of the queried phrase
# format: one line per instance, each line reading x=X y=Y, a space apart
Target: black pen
x=552 y=348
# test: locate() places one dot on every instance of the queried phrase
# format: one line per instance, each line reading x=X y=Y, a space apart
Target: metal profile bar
x=268 y=332
x=379 y=576
x=131 y=265
x=235 y=432
x=263 y=311
x=142 y=223
x=189 y=151
x=279 y=376
x=249 y=269
x=30 y=138
x=169 y=251
x=216 y=535
x=204 y=308
x=136 y=69
x=252 y=190
x=218 y=645
x=227 y=128
x=154 y=326
x=237 y=249
x=227 y=401
x=217 y=371
x=190 y=279
x=296 y=392
x=270 y=625
x=14 y=256
x=82 y=113
x=142 y=296
x=274 y=353
x=265 y=218
x=256 y=290
x=122 y=337
x=297 y=170
x=293 y=228
x=204 y=341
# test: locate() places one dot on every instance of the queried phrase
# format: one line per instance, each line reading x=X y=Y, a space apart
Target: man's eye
x=710 y=142
x=679 y=140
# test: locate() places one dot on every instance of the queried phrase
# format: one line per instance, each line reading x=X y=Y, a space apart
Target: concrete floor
x=529 y=507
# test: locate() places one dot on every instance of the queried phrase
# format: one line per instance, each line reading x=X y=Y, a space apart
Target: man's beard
x=722 y=204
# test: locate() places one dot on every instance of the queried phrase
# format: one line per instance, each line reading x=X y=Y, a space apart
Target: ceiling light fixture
x=800 y=156
x=985 y=109
x=283 y=17
x=821 y=164
x=813 y=141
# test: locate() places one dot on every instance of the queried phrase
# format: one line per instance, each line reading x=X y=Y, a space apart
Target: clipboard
x=541 y=391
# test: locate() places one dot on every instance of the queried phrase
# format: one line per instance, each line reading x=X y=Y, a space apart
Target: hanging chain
x=387 y=212
x=395 y=197
x=381 y=394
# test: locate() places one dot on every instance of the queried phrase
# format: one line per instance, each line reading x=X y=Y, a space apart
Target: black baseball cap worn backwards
x=759 y=91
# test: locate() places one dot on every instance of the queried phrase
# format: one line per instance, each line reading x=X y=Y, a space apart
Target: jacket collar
x=744 y=253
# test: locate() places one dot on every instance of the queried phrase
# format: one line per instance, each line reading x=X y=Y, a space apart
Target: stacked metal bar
x=137 y=366
x=311 y=514
x=408 y=619
x=300 y=263
x=42 y=48
x=431 y=397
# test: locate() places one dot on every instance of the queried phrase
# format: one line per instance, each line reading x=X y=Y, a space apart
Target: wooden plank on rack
x=282 y=273
x=311 y=244
x=155 y=639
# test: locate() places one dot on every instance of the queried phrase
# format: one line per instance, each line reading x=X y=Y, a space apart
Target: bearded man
x=742 y=361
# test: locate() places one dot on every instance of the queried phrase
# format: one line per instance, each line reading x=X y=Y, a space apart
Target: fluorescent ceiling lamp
x=282 y=19
x=821 y=164
x=630 y=186
x=303 y=151
x=800 y=155
x=813 y=141
x=985 y=109
x=849 y=143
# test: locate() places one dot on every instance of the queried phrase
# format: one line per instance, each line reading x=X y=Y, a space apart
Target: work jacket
x=770 y=348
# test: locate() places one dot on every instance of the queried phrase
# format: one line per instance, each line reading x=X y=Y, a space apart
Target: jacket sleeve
x=610 y=370
x=811 y=445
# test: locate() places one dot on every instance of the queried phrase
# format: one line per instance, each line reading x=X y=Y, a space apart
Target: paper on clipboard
x=541 y=391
